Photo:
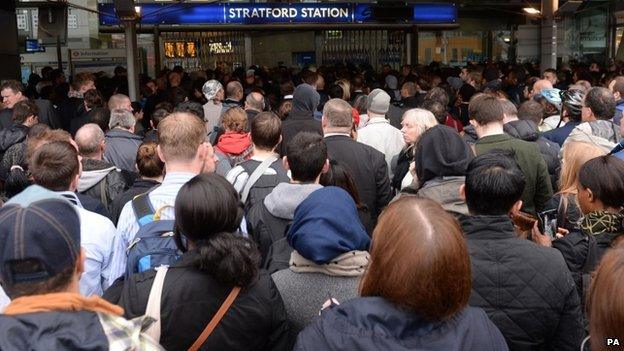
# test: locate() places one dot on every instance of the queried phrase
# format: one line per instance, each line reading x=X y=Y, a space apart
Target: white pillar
x=549 y=34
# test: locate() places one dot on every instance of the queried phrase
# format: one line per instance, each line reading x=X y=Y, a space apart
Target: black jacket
x=368 y=168
x=527 y=131
x=70 y=330
x=98 y=175
x=11 y=136
x=139 y=186
x=374 y=324
x=190 y=298
x=70 y=109
x=525 y=289
x=6 y=118
x=296 y=123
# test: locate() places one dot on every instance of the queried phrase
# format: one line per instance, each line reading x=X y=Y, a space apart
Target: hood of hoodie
x=285 y=198
x=327 y=225
x=305 y=100
x=234 y=143
x=93 y=171
x=522 y=129
x=441 y=152
x=124 y=134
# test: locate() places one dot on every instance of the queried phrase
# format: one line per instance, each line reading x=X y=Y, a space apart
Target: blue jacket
x=559 y=135
x=619 y=109
x=372 y=323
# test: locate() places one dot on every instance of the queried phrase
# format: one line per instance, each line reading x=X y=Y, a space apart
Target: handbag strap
x=154 y=300
x=215 y=319
x=255 y=175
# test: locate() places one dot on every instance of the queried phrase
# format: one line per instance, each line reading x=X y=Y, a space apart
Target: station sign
x=276 y=13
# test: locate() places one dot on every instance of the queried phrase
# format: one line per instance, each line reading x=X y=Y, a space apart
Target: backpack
x=261 y=185
x=154 y=244
x=278 y=256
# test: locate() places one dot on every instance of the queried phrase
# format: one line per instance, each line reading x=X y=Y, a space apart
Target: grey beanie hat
x=211 y=88
x=378 y=102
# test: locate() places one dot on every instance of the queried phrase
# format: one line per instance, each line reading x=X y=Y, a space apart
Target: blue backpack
x=154 y=244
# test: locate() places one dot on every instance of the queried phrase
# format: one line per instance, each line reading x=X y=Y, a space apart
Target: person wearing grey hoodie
x=99 y=179
x=268 y=220
x=301 y=117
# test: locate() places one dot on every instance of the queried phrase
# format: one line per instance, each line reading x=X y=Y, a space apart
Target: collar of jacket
x=377 y=120
x=120 y=133
x=337 y=135
x=494 y=138
x=487 y=227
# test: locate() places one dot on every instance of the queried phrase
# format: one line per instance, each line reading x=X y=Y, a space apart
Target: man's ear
x=515 y=209
x=462 y=192
x=326 y=167
x=285 y=163
x=323 y=122
x=161 y=156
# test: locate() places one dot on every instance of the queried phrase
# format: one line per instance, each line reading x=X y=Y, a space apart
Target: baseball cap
x=41 y=227
x=378 y=102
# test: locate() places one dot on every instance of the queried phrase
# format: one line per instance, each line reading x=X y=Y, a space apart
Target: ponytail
x=229 y=258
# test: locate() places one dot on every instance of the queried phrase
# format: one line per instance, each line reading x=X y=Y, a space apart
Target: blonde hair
x=179 y=136
x=235 y=120
x=346 y=89
x=575 y=154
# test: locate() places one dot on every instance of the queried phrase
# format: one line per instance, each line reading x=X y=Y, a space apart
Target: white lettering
x=613 y=342
x=344 y=13
x=292 y=12
x=246 y=13
x=254 y=13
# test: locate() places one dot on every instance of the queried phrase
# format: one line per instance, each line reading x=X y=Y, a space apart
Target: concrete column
x=157 y=58
x=9 y=56
x=132 y=59
x=548 y=57
x=248 y=51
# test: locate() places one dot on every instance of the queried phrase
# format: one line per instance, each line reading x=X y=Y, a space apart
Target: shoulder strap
x=153 y=302
x=215 y=319
x=257 y=173
x=143 y=210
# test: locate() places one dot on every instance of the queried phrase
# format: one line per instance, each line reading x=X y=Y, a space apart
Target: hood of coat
x=326 y=225
x=234 y=143
x=445 y=191
x=285 y=197
x=441 y=152
x=522 y=129
x=305 y=100
x=122 y=134
x=93 y=171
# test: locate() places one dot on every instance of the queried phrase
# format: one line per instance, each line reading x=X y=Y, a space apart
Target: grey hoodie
x=285 y=198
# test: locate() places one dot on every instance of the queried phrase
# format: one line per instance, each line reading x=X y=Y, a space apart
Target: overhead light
x=531 y=11
x=137 y=9
x=507 y=40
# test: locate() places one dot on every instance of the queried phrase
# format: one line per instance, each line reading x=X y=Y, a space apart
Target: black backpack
x=265 y=184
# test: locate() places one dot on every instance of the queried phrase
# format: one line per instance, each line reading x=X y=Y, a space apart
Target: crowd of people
x=329 y=208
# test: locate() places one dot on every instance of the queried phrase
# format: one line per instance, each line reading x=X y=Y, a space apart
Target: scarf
x=603 y=222
x=61 y=302
x=349 y=264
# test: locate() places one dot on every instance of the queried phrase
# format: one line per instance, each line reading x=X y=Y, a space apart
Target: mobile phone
x=547 y=223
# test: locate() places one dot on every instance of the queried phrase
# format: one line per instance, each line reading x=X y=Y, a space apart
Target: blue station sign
x=275 y=13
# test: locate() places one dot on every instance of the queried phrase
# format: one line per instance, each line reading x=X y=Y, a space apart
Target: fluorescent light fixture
x=506 y=40
x=531 y=11
x=137 y=9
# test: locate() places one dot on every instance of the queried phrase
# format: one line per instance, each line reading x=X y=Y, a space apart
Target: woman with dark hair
x=441 y=159
x=329 y=255
x=605 y=305
x=338 y=175
x=215 y=260
x=414 y=293
x=150 y=168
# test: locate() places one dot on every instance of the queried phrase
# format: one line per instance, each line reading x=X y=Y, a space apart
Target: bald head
x=90 y=141
x=539 y=85
x=337 y=116
x=234 y=90
x=119 y=102
x=254 y=101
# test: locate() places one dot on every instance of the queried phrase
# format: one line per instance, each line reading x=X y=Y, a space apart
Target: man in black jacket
x=267 y=220
x=301 y=117
x=526 y=290
x=366 y=165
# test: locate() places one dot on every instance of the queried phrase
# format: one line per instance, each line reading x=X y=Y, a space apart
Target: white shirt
x=162 y=197
x=238 y=177
x=97 y=234
x=382 y=136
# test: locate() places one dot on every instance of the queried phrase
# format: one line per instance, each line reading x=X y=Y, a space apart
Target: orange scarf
x=61 y=302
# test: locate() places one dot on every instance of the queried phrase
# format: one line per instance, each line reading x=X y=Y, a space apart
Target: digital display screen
x=32 y=45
